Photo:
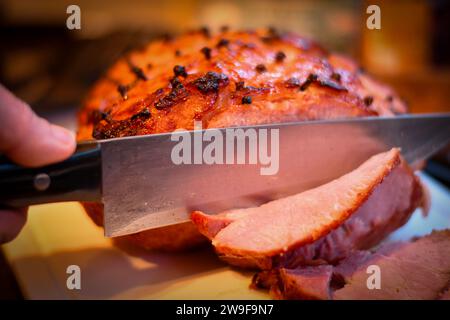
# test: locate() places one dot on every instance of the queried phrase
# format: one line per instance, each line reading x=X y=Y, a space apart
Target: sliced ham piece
x=418 y=270
x=445 y=295
x=306 y=283
x=388 y=208
x=302 y=283
x=355 y=211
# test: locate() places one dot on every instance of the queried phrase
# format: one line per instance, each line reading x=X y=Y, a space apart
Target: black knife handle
x=76 y=179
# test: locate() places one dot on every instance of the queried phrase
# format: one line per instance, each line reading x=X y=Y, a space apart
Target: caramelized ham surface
x=418 y=270
x=294 y=230
x=224 y=79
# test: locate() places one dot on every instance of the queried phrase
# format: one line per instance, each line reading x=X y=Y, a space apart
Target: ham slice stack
x=415 y=270
x=355 y=211
x=314 y=245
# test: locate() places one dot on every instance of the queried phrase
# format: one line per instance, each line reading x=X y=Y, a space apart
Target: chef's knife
x=143 y=187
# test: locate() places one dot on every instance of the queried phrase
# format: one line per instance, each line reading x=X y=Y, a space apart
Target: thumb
x=28 y=139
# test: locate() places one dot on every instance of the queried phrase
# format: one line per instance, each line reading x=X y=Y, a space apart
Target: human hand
x=30 y=141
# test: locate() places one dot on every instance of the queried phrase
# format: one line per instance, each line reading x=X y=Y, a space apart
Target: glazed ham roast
x=235 y=78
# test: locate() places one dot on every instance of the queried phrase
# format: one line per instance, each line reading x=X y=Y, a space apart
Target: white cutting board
x=59 y=235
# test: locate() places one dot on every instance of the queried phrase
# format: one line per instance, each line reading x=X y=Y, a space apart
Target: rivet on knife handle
x=75 y=179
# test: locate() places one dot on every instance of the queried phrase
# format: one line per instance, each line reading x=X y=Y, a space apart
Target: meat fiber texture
x=224 y=79
x=418 y=270
x=355 y=211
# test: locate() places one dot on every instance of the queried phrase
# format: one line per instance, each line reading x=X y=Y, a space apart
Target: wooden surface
x=59 y=235
x=9 y=289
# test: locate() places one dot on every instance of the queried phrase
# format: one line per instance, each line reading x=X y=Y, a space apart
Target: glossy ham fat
x=325 y=223
x=225 y=79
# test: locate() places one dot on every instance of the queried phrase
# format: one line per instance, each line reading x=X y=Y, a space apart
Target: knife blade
x=155 y=180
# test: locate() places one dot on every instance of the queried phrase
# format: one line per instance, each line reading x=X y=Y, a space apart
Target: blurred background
x=52 y=67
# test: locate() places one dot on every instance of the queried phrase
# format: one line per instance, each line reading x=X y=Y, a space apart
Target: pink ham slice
x=446 y=294
x=302 y=283
x=388 y=208
x=417 y=270
x=306 y=283
x=296 y=229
